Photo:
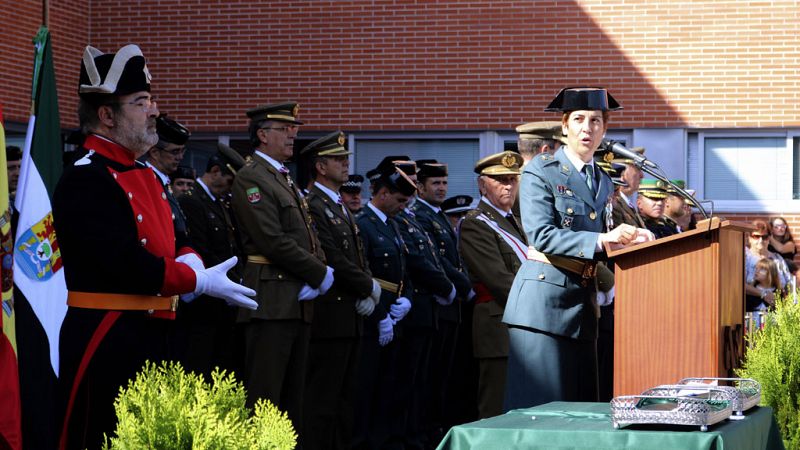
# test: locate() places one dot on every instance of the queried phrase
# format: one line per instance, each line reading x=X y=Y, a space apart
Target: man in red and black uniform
x=123 y=270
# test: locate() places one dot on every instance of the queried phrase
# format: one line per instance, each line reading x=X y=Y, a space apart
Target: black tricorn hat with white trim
x=170 y=131
x=121 y=73
x=583 y=99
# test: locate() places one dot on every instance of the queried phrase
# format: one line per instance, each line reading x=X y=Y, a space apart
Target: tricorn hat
x=390 y=172
x=583 y=98
x=183 y=172
x=427 y=168
x=121 y=73
x=170 y=131
x=228 y=159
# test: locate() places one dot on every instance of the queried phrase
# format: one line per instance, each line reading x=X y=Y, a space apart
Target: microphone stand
x=659 y=175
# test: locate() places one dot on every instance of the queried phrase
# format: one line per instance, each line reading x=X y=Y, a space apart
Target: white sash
x=519 y=247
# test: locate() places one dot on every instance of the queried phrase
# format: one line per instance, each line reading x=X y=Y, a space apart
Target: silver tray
x=748 y=392
x=662 y=405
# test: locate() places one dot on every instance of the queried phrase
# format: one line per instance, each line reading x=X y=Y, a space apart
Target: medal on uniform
x=329 y=213
x=567 y=223
x=561 y=189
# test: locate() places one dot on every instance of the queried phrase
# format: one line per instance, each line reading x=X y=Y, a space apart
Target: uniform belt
x=586 y=269
x=258 y=259
x=124 y=302
x=388 y=286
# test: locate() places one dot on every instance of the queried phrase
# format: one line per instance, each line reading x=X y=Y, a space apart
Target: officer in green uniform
x=285 y=263
x=205 y=327
x=624 y=209
x=337 y=327
x=551 y=312
x=676 y=213
x=652 y=194
x=493 y=247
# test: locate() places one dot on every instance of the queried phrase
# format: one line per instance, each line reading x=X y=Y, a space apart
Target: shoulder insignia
x=253 y=195
x=546 y=156
x=564 y=168
x=87 y=159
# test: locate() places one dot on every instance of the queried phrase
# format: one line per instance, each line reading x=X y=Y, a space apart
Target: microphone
x=624 y=152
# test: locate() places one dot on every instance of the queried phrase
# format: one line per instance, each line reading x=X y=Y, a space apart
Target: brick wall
x=448 y=64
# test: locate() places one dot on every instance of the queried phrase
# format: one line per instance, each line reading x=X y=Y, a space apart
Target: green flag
x=46 y=148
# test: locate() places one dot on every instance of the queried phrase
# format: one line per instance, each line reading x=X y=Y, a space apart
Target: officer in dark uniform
x=455 y=208
x=182 y=180
x=164 y=158
x=122 y=267
x=380 y=410
x=351 y=193
x=651 y=198
x=338 y=325
x=431 y=288
x=432 y=191
x=205 y=327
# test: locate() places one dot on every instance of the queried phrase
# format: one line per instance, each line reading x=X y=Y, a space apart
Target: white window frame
x=742 y=206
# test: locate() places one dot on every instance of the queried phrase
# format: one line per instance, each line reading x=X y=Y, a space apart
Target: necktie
x=285 y=172
x=513 y=221
x=344 y=209
x=589 y=177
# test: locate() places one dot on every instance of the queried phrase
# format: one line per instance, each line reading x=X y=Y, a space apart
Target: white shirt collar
x=333 y=195
x=435 y=209
x=503 y=213
x=631 y=201
x=164 y=178
x=576 y=161
x=205 y=188
x=272 y=161
x=378 y=212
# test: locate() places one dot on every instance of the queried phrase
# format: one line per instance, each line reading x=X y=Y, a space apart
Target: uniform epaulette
x=473 y=213
x=546 y=159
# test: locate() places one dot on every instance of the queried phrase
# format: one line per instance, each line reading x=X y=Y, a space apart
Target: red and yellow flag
x=10 y=412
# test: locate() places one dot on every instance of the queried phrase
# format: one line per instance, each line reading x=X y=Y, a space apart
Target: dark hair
x=87 y=112
x=532 y=146
x=252 y=130
x=787 y=236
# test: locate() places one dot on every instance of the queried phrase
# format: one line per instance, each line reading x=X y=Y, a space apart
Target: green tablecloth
x=565 y=425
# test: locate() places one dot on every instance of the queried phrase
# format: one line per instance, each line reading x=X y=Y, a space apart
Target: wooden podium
x=679 y=307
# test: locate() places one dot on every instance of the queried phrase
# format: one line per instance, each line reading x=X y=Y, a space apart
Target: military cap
x=503 y=163
x=328 y=145
x=13 y=153
x=689 y=201
x=681 y=184
x=638 y=150
x=427 y=168
x=583 y=98
x=390 y=162
x=353 y=183
x=541 y=130
x=170 y=131
x=104 y=74
x=457 y=204
x=614 y=171
x=184 y=172
x=652 y=188
x=281 y=112
x=228 y=159
x=395 y=178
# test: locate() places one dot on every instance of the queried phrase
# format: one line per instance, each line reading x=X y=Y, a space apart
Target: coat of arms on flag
x=39 y=256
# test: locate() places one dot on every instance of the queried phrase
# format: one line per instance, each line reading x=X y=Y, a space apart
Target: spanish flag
x=10 y=412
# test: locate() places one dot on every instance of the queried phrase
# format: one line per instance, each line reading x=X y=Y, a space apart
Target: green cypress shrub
x=773 y=359
x=165 y=408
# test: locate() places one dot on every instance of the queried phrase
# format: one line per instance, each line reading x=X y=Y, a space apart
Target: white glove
x=365 y=307
x=376 y=292
x=327 y=282
x=471 y=295
x=446 y=301
x=605 y=298
x=193 y=261
x=214 y=281
x=385 y=331
x=307 y=293
x=399 y=309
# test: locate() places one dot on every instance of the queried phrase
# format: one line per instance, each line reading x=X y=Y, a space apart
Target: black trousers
x=375 y=411
x=330 y=392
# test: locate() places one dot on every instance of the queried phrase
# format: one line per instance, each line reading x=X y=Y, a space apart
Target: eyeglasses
x=174 y=151
x=763 y=237
x=142 y=102
x=281 y=129
x=778 y=225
